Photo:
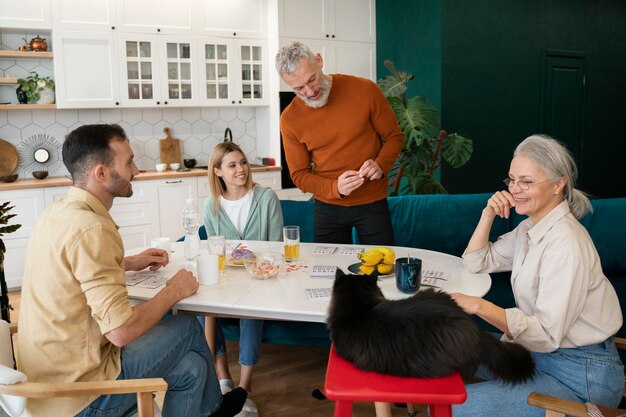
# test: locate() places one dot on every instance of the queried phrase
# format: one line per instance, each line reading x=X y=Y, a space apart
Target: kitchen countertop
x=22 y=184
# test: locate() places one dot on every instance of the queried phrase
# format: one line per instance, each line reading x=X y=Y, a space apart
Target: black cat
x=426 y=335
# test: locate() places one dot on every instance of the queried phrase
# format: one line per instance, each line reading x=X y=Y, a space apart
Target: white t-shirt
x=237 y=210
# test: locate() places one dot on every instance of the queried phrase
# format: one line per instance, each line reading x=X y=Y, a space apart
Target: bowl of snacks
x=265 y=265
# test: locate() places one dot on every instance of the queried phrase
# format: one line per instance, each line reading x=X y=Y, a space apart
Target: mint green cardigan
x=265 y=219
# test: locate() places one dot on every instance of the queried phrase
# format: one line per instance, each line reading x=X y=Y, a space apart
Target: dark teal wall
x=408 y=32
x=490 y=77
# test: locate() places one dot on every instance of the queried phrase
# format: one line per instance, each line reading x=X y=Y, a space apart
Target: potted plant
x=39 y=90
x=425 y=143
x=5 y=228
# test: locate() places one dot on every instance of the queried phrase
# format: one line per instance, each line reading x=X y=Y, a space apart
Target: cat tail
x=507 y=361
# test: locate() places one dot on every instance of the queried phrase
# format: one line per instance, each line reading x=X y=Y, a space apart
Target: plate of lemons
x=380 y=259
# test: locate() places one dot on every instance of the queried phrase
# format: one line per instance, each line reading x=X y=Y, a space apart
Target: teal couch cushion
x=299 y=213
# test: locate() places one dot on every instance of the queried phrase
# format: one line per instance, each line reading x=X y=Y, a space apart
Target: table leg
x=209 y=333
x=382 y=409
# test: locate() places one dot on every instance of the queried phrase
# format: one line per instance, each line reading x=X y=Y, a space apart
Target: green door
x=563 y=93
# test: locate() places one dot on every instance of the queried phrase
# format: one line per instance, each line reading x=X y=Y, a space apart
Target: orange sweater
x=355 y=125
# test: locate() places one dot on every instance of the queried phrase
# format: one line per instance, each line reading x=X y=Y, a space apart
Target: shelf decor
x=38 y=90
x=40 y=152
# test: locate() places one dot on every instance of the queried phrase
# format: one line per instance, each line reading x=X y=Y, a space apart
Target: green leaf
x=457 y=150
x=10 y=229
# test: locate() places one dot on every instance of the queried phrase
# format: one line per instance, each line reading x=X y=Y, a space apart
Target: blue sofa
x=445 y=223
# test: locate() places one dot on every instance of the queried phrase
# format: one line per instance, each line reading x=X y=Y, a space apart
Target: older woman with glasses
x=566 y=310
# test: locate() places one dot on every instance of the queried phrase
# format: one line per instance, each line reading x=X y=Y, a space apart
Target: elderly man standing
x=341 y=138
x=76 y=322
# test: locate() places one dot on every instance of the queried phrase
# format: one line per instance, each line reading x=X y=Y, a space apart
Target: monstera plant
x=426 y=145
x=5 y=228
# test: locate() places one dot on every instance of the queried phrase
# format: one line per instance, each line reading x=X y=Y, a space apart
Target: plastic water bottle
x=191 y=225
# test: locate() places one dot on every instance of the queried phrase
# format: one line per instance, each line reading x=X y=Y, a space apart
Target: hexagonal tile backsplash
x=198 y=129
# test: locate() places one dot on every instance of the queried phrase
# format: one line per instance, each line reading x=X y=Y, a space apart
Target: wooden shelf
x=26 y=55
x=27 y=106
x=8 y=80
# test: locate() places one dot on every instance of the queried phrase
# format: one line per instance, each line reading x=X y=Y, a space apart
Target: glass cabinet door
x=179 y=71
x=139 y=70
x=216 y=64
x=252 y=72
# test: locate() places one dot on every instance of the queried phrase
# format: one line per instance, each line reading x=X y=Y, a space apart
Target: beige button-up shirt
x=563 y=298
x=73 y=292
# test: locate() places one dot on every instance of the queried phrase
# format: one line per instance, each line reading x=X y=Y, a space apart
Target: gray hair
x=558 y=162
x=288 y=57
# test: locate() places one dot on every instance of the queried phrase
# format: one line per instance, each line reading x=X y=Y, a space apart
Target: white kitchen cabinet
x=235 y=19
x=54 y=194
x=295 y=194
x=137 y=216
x=340 y=20
x=268 y=178
x=27 y=206
x=233 y=72
x=26 y=14
x=172 y=17
x=92 y=15
x=85 y=69
x=352 y=58
x=171 y=198
x=157 y=70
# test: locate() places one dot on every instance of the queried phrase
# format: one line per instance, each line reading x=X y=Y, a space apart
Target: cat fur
x=426 y=335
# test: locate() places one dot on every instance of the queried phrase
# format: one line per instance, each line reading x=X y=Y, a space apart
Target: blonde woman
x=239 y=209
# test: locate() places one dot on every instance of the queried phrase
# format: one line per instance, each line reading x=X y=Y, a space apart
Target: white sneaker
x=249 y=409
x=226 y=385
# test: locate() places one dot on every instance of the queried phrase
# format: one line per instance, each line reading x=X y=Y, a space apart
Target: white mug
x=164 y=243
x=208 y=269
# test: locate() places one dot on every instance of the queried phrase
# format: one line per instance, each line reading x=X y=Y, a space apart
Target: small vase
x=21 y=95
x=46 y=96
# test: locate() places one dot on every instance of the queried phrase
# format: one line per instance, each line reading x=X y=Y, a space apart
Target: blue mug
x=408 y=274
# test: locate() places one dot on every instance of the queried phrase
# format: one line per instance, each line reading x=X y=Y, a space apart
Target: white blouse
x=238 y=210
x=563 y=298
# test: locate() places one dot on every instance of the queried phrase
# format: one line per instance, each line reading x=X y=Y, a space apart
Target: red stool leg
x=440 y=410
x=343 y=408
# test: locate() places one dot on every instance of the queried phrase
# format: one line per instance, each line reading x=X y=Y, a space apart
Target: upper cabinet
x=92 y=15
x=341 y=20
x=236 y=19
x=25 y=14
x=85 y=69
x=172 y=17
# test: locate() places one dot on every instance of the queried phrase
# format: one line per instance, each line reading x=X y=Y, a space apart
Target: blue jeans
x=585 y=374
x=176 y=350
x=333 y=223
x=250 y=336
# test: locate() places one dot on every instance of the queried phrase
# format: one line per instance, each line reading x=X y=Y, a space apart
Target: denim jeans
x=584 y=374
x=176 y=350
x=250 y=336
x=333 y=223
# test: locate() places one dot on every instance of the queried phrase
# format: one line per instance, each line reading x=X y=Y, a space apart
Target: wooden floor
x=284 y=379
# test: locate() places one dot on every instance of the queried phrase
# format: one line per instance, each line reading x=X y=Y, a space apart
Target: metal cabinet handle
x=174 y=182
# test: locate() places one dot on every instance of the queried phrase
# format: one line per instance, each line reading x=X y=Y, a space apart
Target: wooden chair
x=144 y=388
x=559 y=407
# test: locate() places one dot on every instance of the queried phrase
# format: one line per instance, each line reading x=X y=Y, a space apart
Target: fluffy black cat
x=426 y=335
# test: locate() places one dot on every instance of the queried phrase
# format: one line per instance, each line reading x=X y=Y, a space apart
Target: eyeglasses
x=522 y=184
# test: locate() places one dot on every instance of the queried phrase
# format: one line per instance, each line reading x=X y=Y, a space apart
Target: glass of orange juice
x=217 y=246
x=291 y=240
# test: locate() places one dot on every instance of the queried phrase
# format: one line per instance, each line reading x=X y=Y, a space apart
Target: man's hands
x=183 y=284
x=152 y=257
x=351 y=180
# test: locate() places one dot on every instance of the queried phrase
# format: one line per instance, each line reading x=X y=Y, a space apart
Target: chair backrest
x=12 y=405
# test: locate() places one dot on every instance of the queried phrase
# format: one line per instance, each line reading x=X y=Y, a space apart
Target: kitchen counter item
x=40 y=175
x=170 y=148
x=8 y=158
x=9 y=178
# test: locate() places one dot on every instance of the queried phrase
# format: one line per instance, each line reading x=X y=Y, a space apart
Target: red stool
x=345 y=384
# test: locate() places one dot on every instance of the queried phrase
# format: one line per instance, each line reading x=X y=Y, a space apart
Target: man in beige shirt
x=76 y=322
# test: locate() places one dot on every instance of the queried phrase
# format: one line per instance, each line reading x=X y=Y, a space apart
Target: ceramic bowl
x=160 y=167
x=174 y=166
x=265 y=265
x=40 y=175
x=9 y=178
x=190 y=163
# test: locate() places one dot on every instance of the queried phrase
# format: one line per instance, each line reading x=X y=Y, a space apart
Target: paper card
x=323 y=271
x=135 y=278
x=149 y=280
x=350 y=251
x=324 y=250
x=318 y=293
x=435 y=275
